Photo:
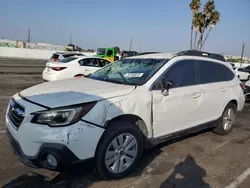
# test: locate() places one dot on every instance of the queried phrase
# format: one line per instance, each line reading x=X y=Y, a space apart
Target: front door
x=178 y=110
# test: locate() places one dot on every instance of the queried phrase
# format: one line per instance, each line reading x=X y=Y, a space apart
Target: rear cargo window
x=66 y=60
x=70 y=55
x=55 y=56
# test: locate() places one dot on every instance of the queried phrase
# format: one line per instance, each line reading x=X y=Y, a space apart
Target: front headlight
x=62 y=116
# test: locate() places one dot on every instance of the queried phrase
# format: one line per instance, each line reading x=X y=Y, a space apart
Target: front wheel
x=119 y=151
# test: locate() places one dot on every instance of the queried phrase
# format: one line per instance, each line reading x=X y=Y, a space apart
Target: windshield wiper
x=124 y=79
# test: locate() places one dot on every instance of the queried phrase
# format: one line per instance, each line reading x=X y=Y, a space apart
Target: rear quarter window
x=211 y=72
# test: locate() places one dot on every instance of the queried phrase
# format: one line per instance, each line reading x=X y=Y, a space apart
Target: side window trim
x=169 y=68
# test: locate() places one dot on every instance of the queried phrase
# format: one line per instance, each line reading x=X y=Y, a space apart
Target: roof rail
x=201 y=54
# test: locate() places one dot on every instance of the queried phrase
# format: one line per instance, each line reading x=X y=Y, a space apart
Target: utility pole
x=70 y=38
x=140 y=46
x=130 y=44
x=242 y=54
x=28 y=39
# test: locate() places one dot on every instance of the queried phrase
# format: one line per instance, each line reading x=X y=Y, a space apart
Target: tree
x=194 y=6
x=208 y=9
x=196 y=25
x=202 y=20
x=215 y=18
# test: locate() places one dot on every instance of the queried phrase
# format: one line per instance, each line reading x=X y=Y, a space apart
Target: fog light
x=52 y=160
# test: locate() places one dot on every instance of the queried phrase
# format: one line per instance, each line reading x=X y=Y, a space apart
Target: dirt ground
x=202 y=160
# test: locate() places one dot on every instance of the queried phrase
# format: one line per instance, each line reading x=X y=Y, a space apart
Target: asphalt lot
x=201 y=160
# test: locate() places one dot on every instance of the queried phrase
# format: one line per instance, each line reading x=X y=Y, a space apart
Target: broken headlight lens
x=61 y=117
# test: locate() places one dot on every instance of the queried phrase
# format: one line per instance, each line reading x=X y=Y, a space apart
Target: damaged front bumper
x=62 y=153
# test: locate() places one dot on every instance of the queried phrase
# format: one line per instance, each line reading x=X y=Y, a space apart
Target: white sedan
x=73 y=67
x=242 y=73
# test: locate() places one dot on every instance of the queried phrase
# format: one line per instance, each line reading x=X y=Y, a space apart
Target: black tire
x=220 y=129
x=115 y=129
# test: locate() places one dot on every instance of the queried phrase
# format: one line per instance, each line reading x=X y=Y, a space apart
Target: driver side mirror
x=166 y=85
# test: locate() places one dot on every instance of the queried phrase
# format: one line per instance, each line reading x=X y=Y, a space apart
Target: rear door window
x=211 y=72
x=90 y=62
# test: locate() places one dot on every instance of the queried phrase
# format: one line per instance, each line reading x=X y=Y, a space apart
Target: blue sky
x=160 y=25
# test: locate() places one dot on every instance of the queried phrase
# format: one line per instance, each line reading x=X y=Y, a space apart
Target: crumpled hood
x=74 y=91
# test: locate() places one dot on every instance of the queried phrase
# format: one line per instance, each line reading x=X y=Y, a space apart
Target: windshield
x=101 y=51
x=129 y=71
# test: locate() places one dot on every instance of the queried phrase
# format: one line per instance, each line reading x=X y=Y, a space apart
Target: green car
x=111 y=54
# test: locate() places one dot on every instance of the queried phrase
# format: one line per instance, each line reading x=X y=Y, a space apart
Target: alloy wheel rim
x=121 y=153
x=228 y=119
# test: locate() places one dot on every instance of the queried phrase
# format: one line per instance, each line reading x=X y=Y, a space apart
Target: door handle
x=223 y=89
x=86 y=69
x=196 y=95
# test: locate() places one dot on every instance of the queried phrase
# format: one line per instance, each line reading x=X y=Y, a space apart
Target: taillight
x=55 y=59
x=242 y=85
x=58 y=68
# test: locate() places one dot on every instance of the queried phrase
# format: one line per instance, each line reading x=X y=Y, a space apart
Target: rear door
x=89 y=66
x=214 y=79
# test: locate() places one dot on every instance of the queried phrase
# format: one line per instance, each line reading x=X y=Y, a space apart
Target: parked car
x=146 y=53
x=247 y=68
x=62 y=55
x=242 y=73
x=246 y=90
x=122 y=109
x=73 y=67
x=128 y=54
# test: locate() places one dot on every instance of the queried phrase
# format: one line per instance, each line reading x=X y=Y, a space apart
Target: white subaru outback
x=121 y=109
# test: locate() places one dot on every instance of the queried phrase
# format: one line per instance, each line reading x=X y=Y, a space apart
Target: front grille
x=16 y=113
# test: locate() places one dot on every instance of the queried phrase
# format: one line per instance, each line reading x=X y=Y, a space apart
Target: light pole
x=242 y=54
x=130 y=45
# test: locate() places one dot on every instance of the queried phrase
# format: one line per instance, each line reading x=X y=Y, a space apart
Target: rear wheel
x=119 y=151
x=227 y=120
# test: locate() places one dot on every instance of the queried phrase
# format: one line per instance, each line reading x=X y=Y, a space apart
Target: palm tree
x=194 y=6
x=196 y=25
x=207 y=12
x=201 y=24
x=209 y=8
x=215 y=18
